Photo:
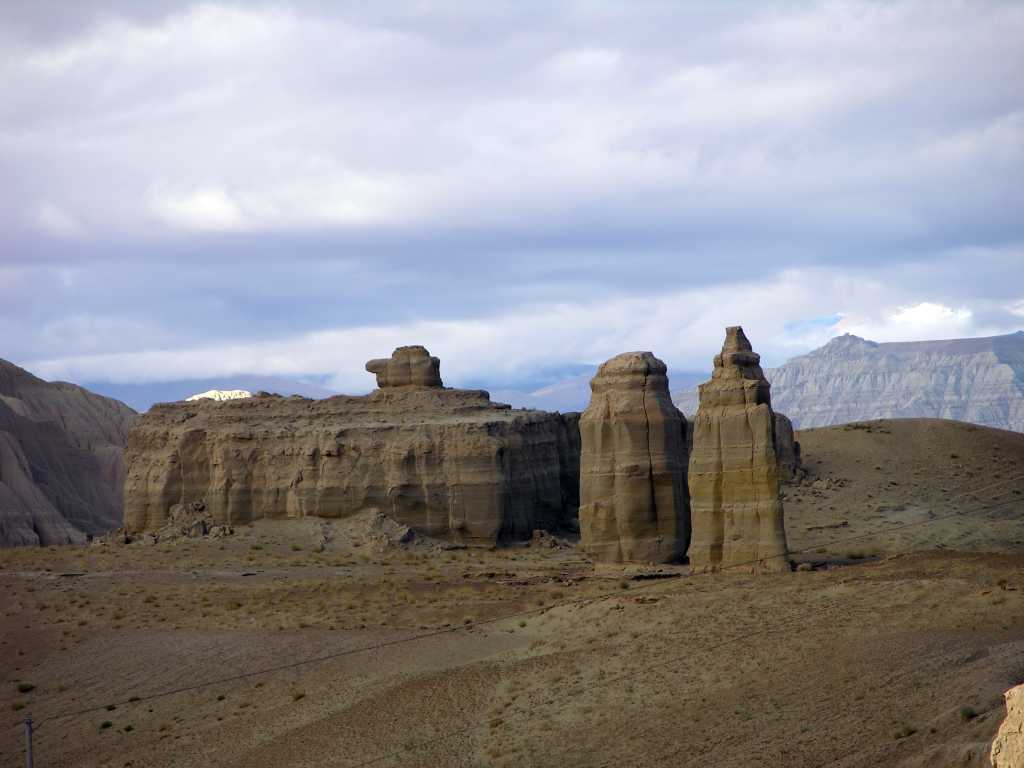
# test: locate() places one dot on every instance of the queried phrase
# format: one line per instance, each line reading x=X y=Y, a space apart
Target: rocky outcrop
x=449 y=463
x=407 y=367
x=633 y=503
x=1008 y=746
x=787 y=449
x=737 y=514
x=221 y=394
x=61 y=460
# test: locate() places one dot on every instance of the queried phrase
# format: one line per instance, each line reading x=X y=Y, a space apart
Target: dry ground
x=890 y=661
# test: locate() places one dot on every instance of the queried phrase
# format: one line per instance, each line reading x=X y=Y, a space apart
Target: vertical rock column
x=633 y=504
x=734 y=470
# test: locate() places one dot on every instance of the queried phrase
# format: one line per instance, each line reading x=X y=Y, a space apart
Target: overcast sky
x=197 y=190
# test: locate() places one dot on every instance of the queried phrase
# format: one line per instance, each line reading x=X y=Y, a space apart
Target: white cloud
x=55 y=221
x=684 y=328
x=924 y=320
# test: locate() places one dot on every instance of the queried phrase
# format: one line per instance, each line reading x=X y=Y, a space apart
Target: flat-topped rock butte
x=447 y=462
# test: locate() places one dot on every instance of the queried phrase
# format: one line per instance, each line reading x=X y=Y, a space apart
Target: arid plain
x=891 y=644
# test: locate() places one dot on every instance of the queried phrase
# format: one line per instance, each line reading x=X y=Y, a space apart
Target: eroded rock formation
x=633 y=504
x=447 y=462
x=736 y=511
x=61 y=460
x=787 y=449
x=1008 y=746
x=407 y=366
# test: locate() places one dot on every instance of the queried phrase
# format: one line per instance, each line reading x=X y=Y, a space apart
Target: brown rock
x=787 y=449
x=407 y=366
x=448 y=463
x=61 y=460
x=1008 y=745
x=734 y=467
x=633 y=504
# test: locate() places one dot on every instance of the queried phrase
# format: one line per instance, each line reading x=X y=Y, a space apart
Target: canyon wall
x=447 y=462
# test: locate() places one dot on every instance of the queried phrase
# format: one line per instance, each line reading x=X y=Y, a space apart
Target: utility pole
x=28 y=741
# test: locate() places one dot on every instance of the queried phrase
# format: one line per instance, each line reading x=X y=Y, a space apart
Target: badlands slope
x=867 y=660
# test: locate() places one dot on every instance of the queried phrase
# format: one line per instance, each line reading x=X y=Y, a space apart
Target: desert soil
x=893 y=650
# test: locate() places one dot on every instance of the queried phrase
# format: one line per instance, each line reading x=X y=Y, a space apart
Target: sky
x=200 y=190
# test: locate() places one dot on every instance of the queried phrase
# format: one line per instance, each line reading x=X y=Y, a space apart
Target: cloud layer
x=296 y=187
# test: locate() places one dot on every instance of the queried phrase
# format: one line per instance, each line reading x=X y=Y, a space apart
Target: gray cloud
x=183 y=177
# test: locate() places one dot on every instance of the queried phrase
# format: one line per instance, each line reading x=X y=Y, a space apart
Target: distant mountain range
x=852 y=379
x=142 y=396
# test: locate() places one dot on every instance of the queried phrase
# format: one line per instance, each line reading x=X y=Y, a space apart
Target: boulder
x=736 y=509
x=407 y=367
x=1008 y=745
x=448 y=463
x=633 y=502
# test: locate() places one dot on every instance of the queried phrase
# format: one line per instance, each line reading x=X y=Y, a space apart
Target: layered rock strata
x=736 y=510
x=449 y=463
x=1008 y=746
x=407 y=367
x=61 y=460
x=633 y=500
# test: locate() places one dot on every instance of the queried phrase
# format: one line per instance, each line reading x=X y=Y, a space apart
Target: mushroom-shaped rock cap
x=631 y=370
x=408 y=366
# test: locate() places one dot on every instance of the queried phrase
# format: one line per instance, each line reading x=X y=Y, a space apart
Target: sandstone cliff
x=1008 y=746
x=853 y=379
x=447 y=462
x=737 y=515
x=633 y=504
x=61 y=460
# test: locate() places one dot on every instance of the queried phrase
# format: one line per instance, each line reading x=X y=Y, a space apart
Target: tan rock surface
x=1008 y=746
x=633 y=504
x=737 y=514
x=61 y=460
x=787 y=449
x=407 y=366
x=447 y=462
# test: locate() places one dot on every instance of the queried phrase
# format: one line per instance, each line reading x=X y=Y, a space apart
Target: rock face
x=407 y=367
x=1008 y=746
x=787 y=449
x=734 y=467
x=61 y=460
x=449 y=463
x=221 y=394
x=633 y=501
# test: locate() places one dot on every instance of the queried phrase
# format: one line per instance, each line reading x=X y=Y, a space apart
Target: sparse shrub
x=905 y=731
x=18 y=706
x=106 y=724
x=968 y=713
x=25 y=687
x=111 y=707
x=298 y=695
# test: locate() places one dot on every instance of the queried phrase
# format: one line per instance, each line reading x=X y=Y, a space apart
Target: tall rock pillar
x=633 y=504
x=734 y=471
